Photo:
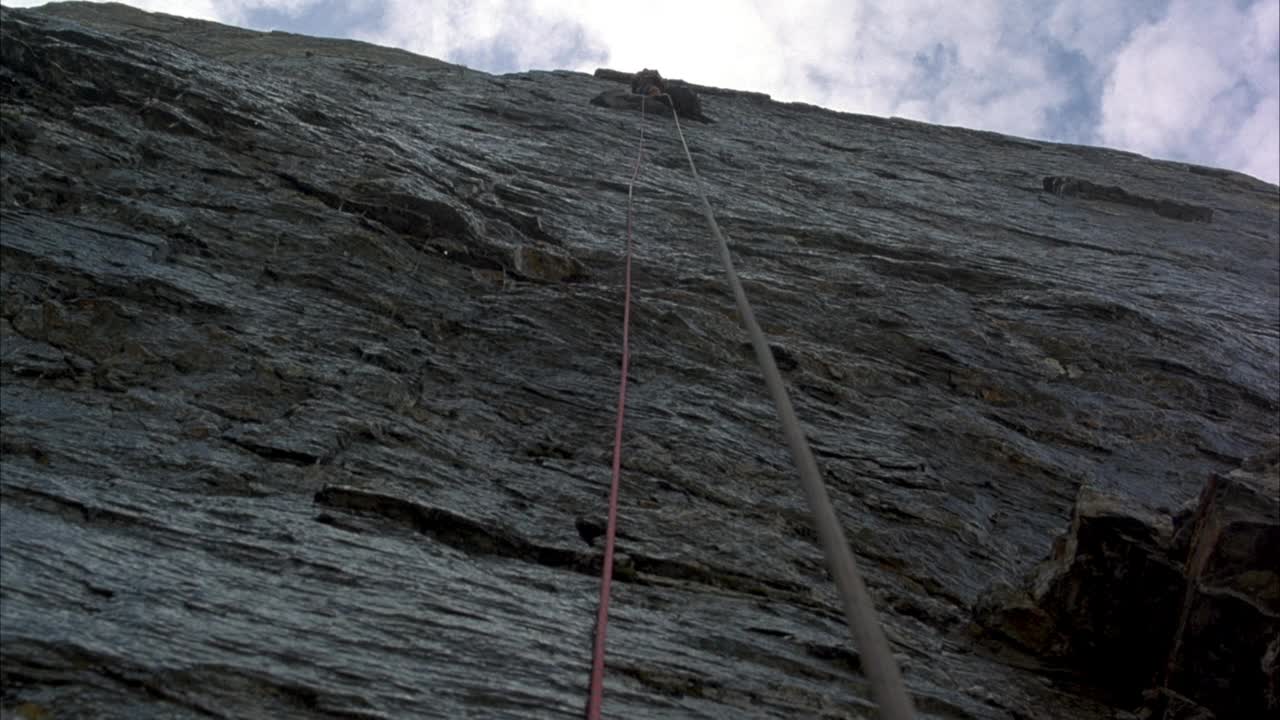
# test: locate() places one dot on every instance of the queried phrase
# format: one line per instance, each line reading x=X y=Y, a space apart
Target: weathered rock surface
x=1188 y=618
x=1075 y=187
x=309 y=352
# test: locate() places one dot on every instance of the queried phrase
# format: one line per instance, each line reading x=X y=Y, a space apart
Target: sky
x=1188 y=80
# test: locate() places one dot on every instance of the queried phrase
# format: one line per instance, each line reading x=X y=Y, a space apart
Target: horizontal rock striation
x=1075 y=187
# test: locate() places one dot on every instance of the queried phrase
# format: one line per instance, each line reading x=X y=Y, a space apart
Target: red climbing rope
x=606 y=574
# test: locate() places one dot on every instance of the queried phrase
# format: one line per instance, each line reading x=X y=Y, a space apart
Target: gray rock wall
x=309 y=352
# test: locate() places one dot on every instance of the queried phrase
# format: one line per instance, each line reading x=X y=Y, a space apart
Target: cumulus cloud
x=1194 y=80
x=503 y=35
x=1098 y=28
x=1200 y=84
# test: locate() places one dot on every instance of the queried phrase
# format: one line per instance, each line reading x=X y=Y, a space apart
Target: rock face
x=1189 y=618
x=309 y=353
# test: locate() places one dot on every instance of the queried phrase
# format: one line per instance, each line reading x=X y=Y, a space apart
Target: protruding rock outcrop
x=1224 y=647
x=1075 y=187
x=1183 y=611
x=673 y=94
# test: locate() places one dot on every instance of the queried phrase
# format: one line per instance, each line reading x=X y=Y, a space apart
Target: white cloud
x=1200 y=84
x=527 y=33
x=1255 y=145
x=1095 y=28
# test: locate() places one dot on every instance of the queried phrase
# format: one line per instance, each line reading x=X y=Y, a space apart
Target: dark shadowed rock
x=684 y=100
x=614 y=75
x=675 y=94
x=626 y=100
x=1165 y=704
x=1105 y=601
x=309 y=355
x=1191 y=626
x=1231 y=612
x=626 y=78
x=1271 y=671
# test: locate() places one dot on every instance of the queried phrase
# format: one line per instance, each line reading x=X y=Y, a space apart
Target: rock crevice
x=1183 y=610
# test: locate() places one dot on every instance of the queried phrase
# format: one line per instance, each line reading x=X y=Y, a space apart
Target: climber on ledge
x=676 y=94
x=648 y=82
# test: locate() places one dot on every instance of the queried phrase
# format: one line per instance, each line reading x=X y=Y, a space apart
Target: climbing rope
x=596 y=697
x=864 y=624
